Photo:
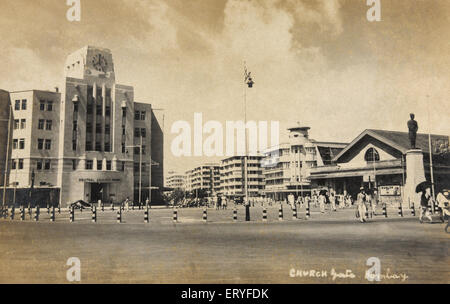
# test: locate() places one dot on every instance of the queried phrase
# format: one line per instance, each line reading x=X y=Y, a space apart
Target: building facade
x=92 y=141
x=376 y=159
x=205 y=177
x=175 y=180
x=232 y=176
x=292 y=163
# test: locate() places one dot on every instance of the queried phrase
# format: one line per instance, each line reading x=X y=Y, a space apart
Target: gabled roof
x=395 y=139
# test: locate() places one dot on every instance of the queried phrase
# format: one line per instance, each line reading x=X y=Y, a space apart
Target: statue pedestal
x=415 y=174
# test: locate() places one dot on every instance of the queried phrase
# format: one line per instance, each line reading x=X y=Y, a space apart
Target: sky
x=317 y=62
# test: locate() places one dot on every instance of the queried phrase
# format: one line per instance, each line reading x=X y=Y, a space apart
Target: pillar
x=415 y=174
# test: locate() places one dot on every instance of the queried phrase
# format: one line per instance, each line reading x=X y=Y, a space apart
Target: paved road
x=221 y=251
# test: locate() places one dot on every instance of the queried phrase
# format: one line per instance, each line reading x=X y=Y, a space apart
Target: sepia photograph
x=224 y=142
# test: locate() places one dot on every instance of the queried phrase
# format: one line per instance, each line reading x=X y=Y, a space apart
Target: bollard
x=48 y=209
x=94 y=214
x=294 y=212
x=400 y=211
x=119 y=216
x=112 y=207
x=59 y=208
x=13 y=211
x=385 y=210
x=36 y=216
x=52 y=216
x=103 y=207
x=175 y=215
x=205 y=215
x=72 y=214
x=436 y=208
x=146 y=216
x=22 y=213
x=308 y=212
x=235 y=214
x=264 y=214
x=413 y=210
x=30 y=212
x=280 y=213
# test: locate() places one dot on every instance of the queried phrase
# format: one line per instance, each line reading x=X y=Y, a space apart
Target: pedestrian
x=333 y=201
x=424 y=209
x=127 y=202
x=224 y=203
x=322 y=200
x=361 y=205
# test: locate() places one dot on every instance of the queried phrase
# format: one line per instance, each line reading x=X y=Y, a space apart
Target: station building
x=377 y=159
x=91 y=141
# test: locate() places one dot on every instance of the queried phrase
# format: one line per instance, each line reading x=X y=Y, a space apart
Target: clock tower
x=90 y=62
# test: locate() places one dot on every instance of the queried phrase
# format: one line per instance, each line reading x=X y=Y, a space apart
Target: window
x=107 y=111
x=41 y=124
x=98 y=146
x=15 y=143
x=122 y=166
x=75 y=125
x=24 y=104
x=48 y=125
x=39 y=165
x=137 y=132
x=17 y=105
x=137 y=115
x=74 y=164
x=22 y=144
x=14 y=164
x=99 y=165
x=16 y=124
x=143 y=115
x=88 y=146
x=99 y=109
x=123 y=130
x=89 y=108
x=107 y=129
x=74 y=145
x=124 y=112
x=143 y=132
x=98 y=128
x=50 y=106
x=89 y=164
x=136 y=150
x=123 y=147
x=107 y=147
x=108 y=165
x=48 y=144
x=75 y=107
x=40 y=144
x=42 y=105
x=23 y=123
x=136 y=166
x=89 y=127
x=20 y=164
x=47 y=164
x=143 y=149
x=372 y=155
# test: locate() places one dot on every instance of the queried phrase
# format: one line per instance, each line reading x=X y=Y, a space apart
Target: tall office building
x=92 y=141
x=205 y=177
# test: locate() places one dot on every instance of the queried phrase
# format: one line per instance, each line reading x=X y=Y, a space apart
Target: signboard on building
x=393 y=190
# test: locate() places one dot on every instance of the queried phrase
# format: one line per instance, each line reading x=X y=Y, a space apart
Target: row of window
x=40 y=164
x=43 y=104
x=44 y=143
x=90 y=165
x=139 y=115
x=138 y=132
x=18 y=143
x=20 y=124
x=20 y=106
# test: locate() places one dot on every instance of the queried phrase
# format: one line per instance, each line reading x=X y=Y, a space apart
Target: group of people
x=365 y=205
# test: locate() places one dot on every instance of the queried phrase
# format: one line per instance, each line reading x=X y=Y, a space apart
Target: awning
x=358 y=173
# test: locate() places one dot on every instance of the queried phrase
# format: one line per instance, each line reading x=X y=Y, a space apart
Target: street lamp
x=7 y=157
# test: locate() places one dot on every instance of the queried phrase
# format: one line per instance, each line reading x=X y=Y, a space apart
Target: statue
x=413 y=127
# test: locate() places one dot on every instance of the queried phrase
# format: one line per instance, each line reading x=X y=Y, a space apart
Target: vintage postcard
x=224 y=142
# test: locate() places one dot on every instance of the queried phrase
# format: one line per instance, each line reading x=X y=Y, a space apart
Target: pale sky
x=319 y=62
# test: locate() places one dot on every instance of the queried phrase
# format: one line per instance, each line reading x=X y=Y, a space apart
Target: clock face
x=99 y=62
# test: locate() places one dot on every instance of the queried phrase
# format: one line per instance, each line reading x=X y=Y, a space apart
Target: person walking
x=424 y=209
x=322 y=202
x=333 y=201
x=224 y=203
x=361 y=205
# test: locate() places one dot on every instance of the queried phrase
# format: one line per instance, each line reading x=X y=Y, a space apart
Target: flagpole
x=430 y=152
